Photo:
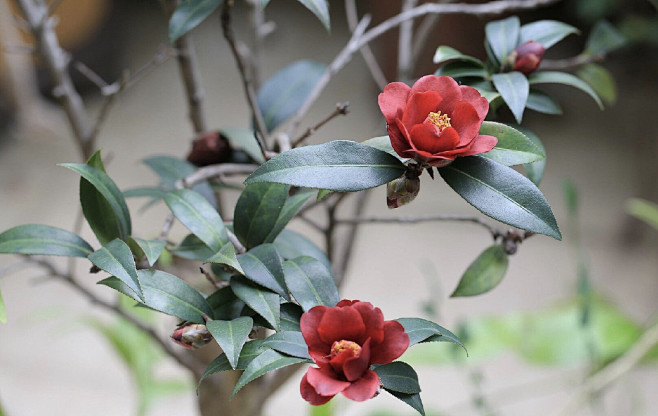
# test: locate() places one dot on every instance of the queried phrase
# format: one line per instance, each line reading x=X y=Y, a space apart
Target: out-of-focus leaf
x=267 y=361
x=643 y=210
x=116 y=258
x=145 y=191
x=513 y=147
x=546 y=32
x=43 y=240
x=514 y=88
x=600 y=80
x=339 y=165
x=288 y=342
x=188 y=15
x=535 y=170
x=461 y=69
x=320 y=8
x=310 y=282
x=231 y=336
x=192 y=248
x=603 y=38
x=485 y=273
x=542 y=102
x=503 y=36
x=171 y=169
x=245 y=140
x=501 y=193
x=445 y=53
x=555 y=77
x=284 y=93
x=291 y=244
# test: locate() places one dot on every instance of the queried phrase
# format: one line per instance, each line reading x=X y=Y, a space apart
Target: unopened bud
x=526 y=57
x=192 y=336
x=401 y=191
x=209 y=149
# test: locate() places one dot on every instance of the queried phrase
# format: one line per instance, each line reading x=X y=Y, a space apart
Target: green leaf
x=188 y=15
x=461 y=69
x=192 y=248
x=310 y=282
x=43 y=240
x=445 y=53
x=262 y=301
x=291 y=313
x=485 y=273
x=201 y=218
x=291 y=244
x=546 y=32
x=166 y=293
x=501 y=193
x=152 y=249
x=398 y=376
x=535 y=170
x=422 y=330
x=251 y=350
x=290 y=209
x=554 y=77
x=268 y=361
x=383 y=143
x=102 y=203
x=257 y=211
x=116 y=258
x=171 y=169
x=284 y=93
x=412 y=400
x=514 y=88
x=513 y=147
x=226 y=255
x=3 y=311
x=244 y=139
x=231 y=336
x=320 y=8
x=225 y=305
x=503 y=36
x=262 y=265
x=601 y=81
x=643 y=210
x=603 y=38
x=288 y=342
x=542 y=102
x=145 y=191
x=340 y=165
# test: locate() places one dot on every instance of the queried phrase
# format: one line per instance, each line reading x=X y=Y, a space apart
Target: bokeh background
x=529 y=348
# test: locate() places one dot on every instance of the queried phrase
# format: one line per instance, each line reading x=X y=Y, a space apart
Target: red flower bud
x=527 y=57
x=209 y=149
x=192 y=336
x=401 y=191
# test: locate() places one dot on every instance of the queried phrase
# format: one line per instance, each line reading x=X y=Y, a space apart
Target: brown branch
x=369 y=57
x=351 y=237
x=405 y=42
x=419 y=219
x=341 y=109
x=212 y=171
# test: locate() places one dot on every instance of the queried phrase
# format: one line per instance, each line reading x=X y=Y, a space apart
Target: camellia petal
x=374 y=320
x=341 y=324
x=393 y=100
x=364 y=388
x=354 y=367
x=466 y=121
x=310 y=395
x=309 y=324
x=395 y=343
x=472 y=96
x=324 y=381
x=427 y=137
x=419 y=106
x=399 y=137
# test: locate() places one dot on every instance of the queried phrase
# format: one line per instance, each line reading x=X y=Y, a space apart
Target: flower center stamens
x=339 y=346
x=442 y=121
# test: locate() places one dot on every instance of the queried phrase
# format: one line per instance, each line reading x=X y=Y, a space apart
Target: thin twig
x=369 y=57
x=341 y=109
x=91 y=75
x=359 y=206
x=405 y=42
x=166 y=227
x=212 y=171
x=416 y=220
x=312 y=223
x=24 y=49
x=246 y=82
x=568 y=63
x=239 y=248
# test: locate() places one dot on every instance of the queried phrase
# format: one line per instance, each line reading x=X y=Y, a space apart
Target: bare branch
x=568 y=63
x=212 y=171
x=341 y=109
x=374 y=68
x=91 y=75
x=416 y=220
x=359 y=206
x=239 y=248
x=405 y=42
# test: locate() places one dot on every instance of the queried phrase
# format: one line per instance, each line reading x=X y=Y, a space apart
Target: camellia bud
x=526 y=57
x=209 y=149
x=192 y=336
x=401 y=191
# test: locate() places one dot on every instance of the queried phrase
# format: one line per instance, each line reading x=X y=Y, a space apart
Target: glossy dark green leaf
x=225 y=305
x=244 y=139
x=513 y=147
x=257 y=211
x=192 y=248
x=171 y=169
x=503 y=36
x=320 y=8
x=461 y=69
x=283 y=94
x=201 y=218
x=291 y=244
x=267 y=361
x=231 y=336
x=226 y=255
x=291 y=313
x=188 y=15
x=412 y=400
x=310 y=282
x=116 y=258
x=514 y=88
x=555 y=77
x=383 y=143
x=422 y=330
x=546 y=32
x=43 y=240
x=542 y=102
x=166 y=293
x=261 y=300
x=601 y=81
x=398 y=376
x=262 y=265
x=446 y=53
x=485 y=273
x=288 y=342
x=152 y=249
x=251 y=350
x=603 y=38
x=292 y=206
x=535 y=170
x=501 y=193
x=102 y=203
x=339 y=165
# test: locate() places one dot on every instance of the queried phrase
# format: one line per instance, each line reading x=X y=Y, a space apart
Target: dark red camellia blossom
x=344 y=341
x=528 y=56
x=209 y=149
x=435 y=120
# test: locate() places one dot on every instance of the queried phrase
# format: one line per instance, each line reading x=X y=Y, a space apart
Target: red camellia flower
x=527 y=56
x=436 y=120
x=344 y=341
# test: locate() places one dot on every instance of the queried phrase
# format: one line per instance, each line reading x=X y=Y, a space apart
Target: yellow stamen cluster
x=339 y=346
x=442 y=121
